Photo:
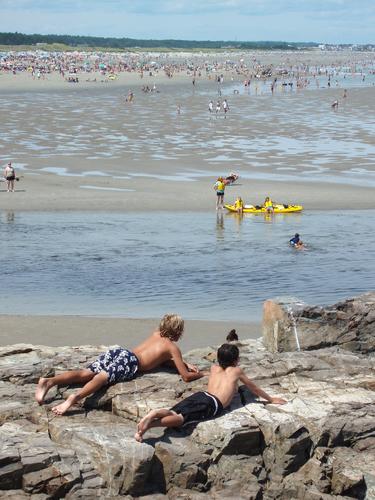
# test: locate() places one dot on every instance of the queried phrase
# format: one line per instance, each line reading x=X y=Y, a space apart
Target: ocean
x=202 y=265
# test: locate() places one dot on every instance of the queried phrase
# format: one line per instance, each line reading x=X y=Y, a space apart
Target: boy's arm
x=258 y=391
x=182 y=368
x=191 y=368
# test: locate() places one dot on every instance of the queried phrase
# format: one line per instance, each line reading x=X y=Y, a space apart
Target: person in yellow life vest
x=268 y=205
x=238 y=205
x=219 y=188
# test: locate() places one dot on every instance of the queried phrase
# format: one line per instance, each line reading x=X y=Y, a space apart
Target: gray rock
x=320 y=445
x=289 y=324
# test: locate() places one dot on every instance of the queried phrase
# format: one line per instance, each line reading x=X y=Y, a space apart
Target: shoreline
x=54 y=193
x=58 y=331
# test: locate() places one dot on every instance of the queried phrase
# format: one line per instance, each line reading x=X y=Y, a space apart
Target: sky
x=325 y=21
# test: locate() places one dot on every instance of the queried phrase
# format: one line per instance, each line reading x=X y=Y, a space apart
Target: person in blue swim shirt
x=296 y=242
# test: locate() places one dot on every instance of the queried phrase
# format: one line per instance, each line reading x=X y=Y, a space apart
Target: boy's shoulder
x=229 y=370
x=165 y=341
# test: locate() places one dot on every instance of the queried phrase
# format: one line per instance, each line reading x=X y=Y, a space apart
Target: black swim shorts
x=197 y=407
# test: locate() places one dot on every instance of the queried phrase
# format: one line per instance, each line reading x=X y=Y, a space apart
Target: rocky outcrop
x=320 y=445
x=289 y=324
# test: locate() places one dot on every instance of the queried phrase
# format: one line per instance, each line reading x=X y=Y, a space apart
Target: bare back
x=223 y=383
x=154 y=351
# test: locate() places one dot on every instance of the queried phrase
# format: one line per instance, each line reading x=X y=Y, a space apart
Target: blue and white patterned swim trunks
x=120 y=364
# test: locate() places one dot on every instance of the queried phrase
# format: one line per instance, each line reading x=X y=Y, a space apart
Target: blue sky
x=328 y=21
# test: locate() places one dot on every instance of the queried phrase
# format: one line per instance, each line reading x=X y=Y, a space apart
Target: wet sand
x=86 y=149
x=51 y=192
x=79 y=330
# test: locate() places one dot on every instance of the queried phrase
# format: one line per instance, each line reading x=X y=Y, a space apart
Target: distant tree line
x=126 y=43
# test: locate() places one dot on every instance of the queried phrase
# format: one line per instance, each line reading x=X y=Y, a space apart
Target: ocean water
x=201 y=265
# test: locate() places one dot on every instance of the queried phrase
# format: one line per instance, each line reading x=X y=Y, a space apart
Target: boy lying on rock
x=222 y=386
x=119 y=365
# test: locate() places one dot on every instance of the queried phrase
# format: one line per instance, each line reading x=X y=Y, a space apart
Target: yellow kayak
x=257 y=209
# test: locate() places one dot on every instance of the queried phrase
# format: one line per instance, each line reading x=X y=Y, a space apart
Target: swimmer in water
x=296 y=242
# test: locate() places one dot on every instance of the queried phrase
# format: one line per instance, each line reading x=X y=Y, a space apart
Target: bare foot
x=138 y=437
x=145 y=424
x=63 y=407
x=42 y=389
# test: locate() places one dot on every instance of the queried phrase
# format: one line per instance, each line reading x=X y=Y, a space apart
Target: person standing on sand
x=211 y=107
x=218 y=107
x=10 y=175
x=130 y=96
x=222 y=386
x=119 y=365
x=219 y=187
x=225 y=107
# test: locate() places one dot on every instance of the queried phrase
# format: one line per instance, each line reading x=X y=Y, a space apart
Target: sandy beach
x=84 y=148
x=79 y=330
x=51 y=192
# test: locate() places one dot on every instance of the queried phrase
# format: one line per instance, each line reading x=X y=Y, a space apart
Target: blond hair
x=171 y=326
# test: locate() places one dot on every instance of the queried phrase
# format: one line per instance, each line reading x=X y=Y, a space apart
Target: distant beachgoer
x=130 y=96
x=222 y=386
x=232 y=177
x=119 y=365
x=211 y=107
x=238 y=205
x=335 y=104
x=296 y=242
x=268 y=205
x=218 y=107
x=10 y=175
x=225 y=108
x=178 y=109
x=232 y=336
x=219 y=187
x=273 y=85
x=345 y=94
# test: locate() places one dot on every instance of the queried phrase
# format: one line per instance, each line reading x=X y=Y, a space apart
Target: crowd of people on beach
x=160 y=348
x=291 y=72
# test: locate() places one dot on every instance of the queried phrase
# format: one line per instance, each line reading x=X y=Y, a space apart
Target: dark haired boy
x=222 y=386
